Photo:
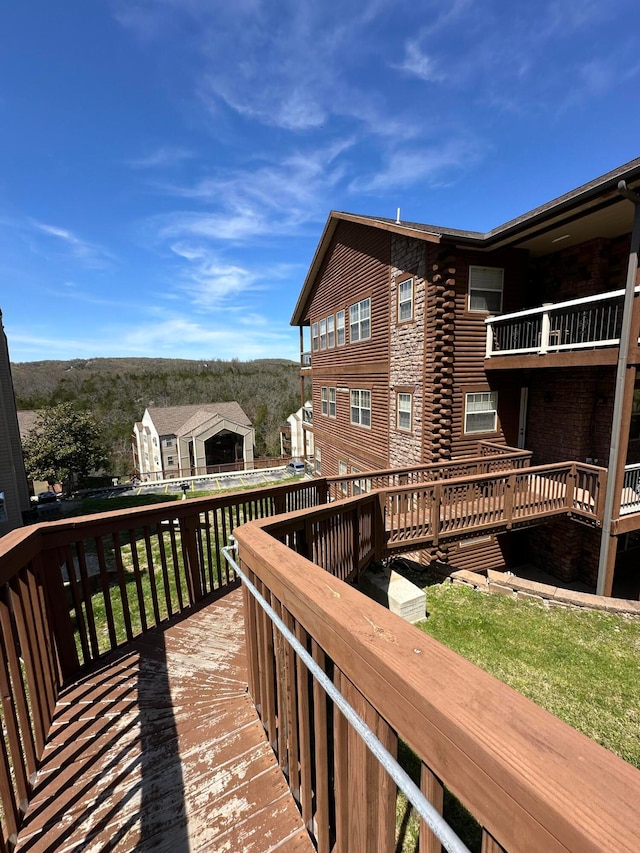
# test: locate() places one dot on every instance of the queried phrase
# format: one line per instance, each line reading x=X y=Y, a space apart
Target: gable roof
x=584 y=201
x=176 y=420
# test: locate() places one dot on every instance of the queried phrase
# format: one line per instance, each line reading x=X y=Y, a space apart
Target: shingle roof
x=172 y=420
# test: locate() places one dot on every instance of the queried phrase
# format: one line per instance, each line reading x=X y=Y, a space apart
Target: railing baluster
x=433 y=790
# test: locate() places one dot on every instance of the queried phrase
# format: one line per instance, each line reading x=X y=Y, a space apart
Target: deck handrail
x=344 y=485
x=471 y=733
x=139 y=567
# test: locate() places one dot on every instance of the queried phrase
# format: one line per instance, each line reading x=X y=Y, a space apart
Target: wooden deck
x=161 y=749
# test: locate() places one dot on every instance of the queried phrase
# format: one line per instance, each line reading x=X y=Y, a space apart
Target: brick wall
x=566 y=549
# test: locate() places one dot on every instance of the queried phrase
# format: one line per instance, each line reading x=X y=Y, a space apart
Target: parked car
x=47 y=498
x=295 y=467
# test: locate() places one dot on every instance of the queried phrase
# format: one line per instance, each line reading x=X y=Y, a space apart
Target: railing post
x=510 y=489
x=189 y=538
x=570 y=490
x=379 y=528
x=58 y=608
x=435 y=520
x=545 y=328
x=489 y=345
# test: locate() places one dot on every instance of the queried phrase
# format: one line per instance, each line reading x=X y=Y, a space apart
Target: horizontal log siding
x=356 y=266
x=476 y=557
x=338 y=437
x=470 y=336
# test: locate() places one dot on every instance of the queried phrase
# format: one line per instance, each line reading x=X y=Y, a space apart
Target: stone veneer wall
x=406 y=351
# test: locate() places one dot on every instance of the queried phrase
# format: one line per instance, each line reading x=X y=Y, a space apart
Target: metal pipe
x=421 y=804
x=623 y=359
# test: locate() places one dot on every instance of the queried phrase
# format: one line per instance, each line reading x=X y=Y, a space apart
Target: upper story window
x=318 y=461
x=485 y=289
x=331 y=334
x=361 y=408
x=481 y=411
x=170 y=460
x=340 y=328
x=360 y=320
x=332 y=402
x=323 y=334
x=328 y=401
x=404 y=411
x=169 y=442
x=315 y=338
x=405 y=300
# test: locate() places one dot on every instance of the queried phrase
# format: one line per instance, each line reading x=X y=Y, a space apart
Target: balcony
x=307 y=416
x=577 y=332
x=305 y=360
x=147 y=700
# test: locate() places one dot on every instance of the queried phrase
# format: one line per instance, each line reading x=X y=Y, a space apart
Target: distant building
x=183 y=441
x=14 y=493
x=296 y=436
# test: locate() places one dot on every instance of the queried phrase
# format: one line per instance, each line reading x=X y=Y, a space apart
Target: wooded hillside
x=118 y=390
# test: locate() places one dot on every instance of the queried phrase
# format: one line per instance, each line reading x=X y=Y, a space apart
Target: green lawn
x=583 y=666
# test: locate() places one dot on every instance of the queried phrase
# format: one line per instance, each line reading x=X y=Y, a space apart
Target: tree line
x=116 y=392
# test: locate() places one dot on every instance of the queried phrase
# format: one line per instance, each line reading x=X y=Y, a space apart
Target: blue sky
x=167 y=166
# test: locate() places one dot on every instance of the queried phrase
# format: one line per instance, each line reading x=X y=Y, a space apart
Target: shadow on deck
x=161 y=748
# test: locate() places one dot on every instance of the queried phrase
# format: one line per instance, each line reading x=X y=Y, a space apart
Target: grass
x=583 y=666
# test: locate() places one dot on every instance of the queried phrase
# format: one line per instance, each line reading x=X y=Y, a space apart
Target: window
x=323 y=334
x=404 y=411
x=485 y=289
x=405 y=300
x=318 y=465
x=169 y=460
x=361 y=408
x=340 y=328
x=480 y=411
x=324 y=399
x=314 y=337
x=332 y=402
x=342 y=471
x=360 y=320
x=331 y=335
x=169 y=442
x=360 y=487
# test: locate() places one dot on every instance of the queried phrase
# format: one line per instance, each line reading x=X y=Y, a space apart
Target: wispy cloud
x=90 y=254
x=419 y=64
x=160 y=158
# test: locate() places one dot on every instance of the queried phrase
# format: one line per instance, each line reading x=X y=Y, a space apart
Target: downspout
x=614 y=482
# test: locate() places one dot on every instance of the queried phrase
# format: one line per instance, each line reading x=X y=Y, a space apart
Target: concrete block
x=529 y=596
x=396 y=593
x=501 y=589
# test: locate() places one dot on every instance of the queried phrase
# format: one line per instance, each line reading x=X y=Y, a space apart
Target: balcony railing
x=587 y=323
x=307 y=416
x=471 y=733
x=491 y=458
x=630 y=501
x=305 y=359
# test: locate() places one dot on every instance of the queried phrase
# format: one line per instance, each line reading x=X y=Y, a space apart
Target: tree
x=63 y=444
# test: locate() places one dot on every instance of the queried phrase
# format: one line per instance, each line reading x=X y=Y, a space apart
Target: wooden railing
x=491 y=458
x=450 y=508
x=71 y=591
x=532 y=782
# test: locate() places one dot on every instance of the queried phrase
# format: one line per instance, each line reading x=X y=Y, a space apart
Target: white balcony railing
x=587 y=323
x=630 y=490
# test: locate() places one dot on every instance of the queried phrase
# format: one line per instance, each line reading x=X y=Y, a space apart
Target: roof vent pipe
x=398 y=216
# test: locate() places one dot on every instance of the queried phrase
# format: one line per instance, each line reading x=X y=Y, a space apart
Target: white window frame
x=170 y=461
x=331 y=334
x=318 y=461
x=405 y=300
x=404 y=406
x=332 y=402
x=360 y=320
x=340 y=330
x=484 y=285
x=360 y=487
x=315 y=337
x=342 y=472
x=324 y=400
x=323 y=334
x=360 y=407
x=168 y=442
x=480 y=403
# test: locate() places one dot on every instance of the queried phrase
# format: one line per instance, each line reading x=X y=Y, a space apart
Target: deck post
x=56 y=598
x=489 y=346
x=189 y=536
x=545 y=330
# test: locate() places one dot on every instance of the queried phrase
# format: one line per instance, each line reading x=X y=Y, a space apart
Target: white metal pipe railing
x=433 y=819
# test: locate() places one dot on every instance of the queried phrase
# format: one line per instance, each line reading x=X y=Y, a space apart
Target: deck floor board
x=161 y=749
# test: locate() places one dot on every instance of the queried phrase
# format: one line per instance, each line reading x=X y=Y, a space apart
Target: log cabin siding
x=356 y=266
